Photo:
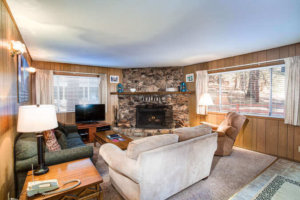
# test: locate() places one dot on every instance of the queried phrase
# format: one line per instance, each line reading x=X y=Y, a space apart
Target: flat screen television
x=89 y=113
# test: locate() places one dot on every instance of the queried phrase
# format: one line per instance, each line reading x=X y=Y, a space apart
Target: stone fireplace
x=154 y=116
x=151 y=114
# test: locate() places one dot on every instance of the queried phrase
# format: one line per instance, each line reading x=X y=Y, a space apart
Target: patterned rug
x=278 y=188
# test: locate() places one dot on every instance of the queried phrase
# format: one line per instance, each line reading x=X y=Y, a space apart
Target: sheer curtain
x=44 y=86
x=292 y=91
x=201 y=88
x=103 y=90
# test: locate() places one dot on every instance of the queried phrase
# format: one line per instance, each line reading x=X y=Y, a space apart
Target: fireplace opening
x=154 y=116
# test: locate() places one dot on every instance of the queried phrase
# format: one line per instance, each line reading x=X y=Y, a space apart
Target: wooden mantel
x=151 y=93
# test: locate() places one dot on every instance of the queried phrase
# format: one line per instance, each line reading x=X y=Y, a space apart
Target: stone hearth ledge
x=140 y=132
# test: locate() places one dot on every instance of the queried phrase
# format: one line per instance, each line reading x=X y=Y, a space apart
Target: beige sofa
x=158 y=167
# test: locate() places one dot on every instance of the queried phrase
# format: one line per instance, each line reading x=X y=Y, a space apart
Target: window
x=72 y=90
x=256 y=91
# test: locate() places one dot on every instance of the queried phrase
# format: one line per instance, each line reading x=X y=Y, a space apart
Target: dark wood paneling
x=265 y=135
x=8 y=99
x=111 y=87
x=272 y=136
x=262 y=134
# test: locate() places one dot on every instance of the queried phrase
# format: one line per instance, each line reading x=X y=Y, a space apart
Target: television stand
x=91 y=128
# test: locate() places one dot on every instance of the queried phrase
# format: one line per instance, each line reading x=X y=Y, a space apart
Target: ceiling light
x=16 y=47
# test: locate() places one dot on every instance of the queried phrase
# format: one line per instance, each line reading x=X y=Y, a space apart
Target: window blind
x=72 y=90
x=253 y=91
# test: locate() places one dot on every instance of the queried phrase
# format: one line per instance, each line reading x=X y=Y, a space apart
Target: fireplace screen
x=154 y=116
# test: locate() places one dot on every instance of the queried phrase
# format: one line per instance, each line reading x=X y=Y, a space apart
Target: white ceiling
x=144 y=33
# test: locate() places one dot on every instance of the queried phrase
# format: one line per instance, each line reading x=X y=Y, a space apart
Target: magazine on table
x=115 y=137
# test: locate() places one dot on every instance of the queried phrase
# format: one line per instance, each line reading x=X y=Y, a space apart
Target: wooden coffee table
x=101 y=138
x=82 y=169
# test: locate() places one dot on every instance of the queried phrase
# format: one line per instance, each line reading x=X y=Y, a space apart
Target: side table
x=82 y=169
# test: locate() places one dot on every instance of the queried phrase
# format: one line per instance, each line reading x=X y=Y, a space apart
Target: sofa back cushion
x=187 y=133
x=26 y=146
x=62 y=139
x=146 y=144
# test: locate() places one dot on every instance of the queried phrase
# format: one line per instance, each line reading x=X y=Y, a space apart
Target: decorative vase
x=120 y=88
x=183 y=87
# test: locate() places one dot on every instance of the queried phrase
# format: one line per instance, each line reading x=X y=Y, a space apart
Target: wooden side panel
x=290 y=150
x=261 y=135
x=247 y=137
x=271 y=136
x=297 y=144
x=282 y=139
x=254 y=134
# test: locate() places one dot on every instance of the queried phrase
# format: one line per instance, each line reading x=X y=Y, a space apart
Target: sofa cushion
x=187 y=133
x=26 y=146
x=74 y=142
x=73 y=135
x=61 y=138
x=145 y=144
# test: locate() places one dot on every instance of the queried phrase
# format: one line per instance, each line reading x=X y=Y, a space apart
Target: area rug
x=279 y=187
x=228 y=175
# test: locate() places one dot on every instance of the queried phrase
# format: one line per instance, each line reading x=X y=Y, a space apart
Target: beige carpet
x=228 y=176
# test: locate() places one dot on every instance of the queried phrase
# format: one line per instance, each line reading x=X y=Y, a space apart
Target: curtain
x=44 y=86
x=201 y=88
x=292 y=91
x=103 y=90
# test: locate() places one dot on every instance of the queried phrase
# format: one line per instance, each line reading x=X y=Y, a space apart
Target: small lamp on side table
x=37 y=119
x=205 y=100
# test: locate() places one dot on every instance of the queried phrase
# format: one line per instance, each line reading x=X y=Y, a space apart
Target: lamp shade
x=36 y=118
x=206 y=100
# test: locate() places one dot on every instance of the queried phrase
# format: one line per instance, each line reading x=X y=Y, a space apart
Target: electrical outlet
x=299 y=149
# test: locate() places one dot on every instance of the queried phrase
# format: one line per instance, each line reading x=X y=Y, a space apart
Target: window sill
x=250 y=116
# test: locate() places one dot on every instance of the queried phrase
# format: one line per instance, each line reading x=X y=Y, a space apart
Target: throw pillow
x=187 y=133
x=61 y=138
x=51 y=141
x=148 y=143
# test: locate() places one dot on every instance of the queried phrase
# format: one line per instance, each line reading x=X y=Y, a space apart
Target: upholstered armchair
x=227 y=132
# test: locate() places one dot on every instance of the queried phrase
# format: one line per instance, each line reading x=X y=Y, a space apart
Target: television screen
x=89 y=113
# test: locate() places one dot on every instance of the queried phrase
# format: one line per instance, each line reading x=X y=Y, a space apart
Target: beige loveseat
x=169 y=167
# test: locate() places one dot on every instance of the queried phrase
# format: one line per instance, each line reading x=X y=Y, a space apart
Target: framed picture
x=189 y=78
x=23 y=80
x=114 y=79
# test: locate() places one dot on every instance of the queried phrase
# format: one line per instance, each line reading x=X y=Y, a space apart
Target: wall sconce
x=16 y=48
x=31 y=69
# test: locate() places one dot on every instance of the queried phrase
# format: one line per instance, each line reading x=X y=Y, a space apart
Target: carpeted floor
x=229 y=174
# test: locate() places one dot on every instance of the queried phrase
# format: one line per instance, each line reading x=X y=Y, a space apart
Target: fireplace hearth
x=154 y=116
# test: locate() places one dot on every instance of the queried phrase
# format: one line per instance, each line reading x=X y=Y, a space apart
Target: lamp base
x=40 y=171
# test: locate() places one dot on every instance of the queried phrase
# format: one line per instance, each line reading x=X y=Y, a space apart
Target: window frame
x=59 y=88
x=244 y=113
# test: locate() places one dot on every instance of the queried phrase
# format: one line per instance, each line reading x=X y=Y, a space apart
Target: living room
x=150 y=100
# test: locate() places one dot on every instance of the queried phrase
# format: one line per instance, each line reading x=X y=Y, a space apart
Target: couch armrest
x=213 y=126
x=118 y=161
x=52 y=158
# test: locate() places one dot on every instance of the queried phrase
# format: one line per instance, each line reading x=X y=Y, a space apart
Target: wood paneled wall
x=8 y=100
x=111 y=87
x=265 y=135
x=262 y=134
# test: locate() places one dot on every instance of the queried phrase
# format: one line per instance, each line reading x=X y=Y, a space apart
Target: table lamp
x=205 y=100
x=37 y=119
